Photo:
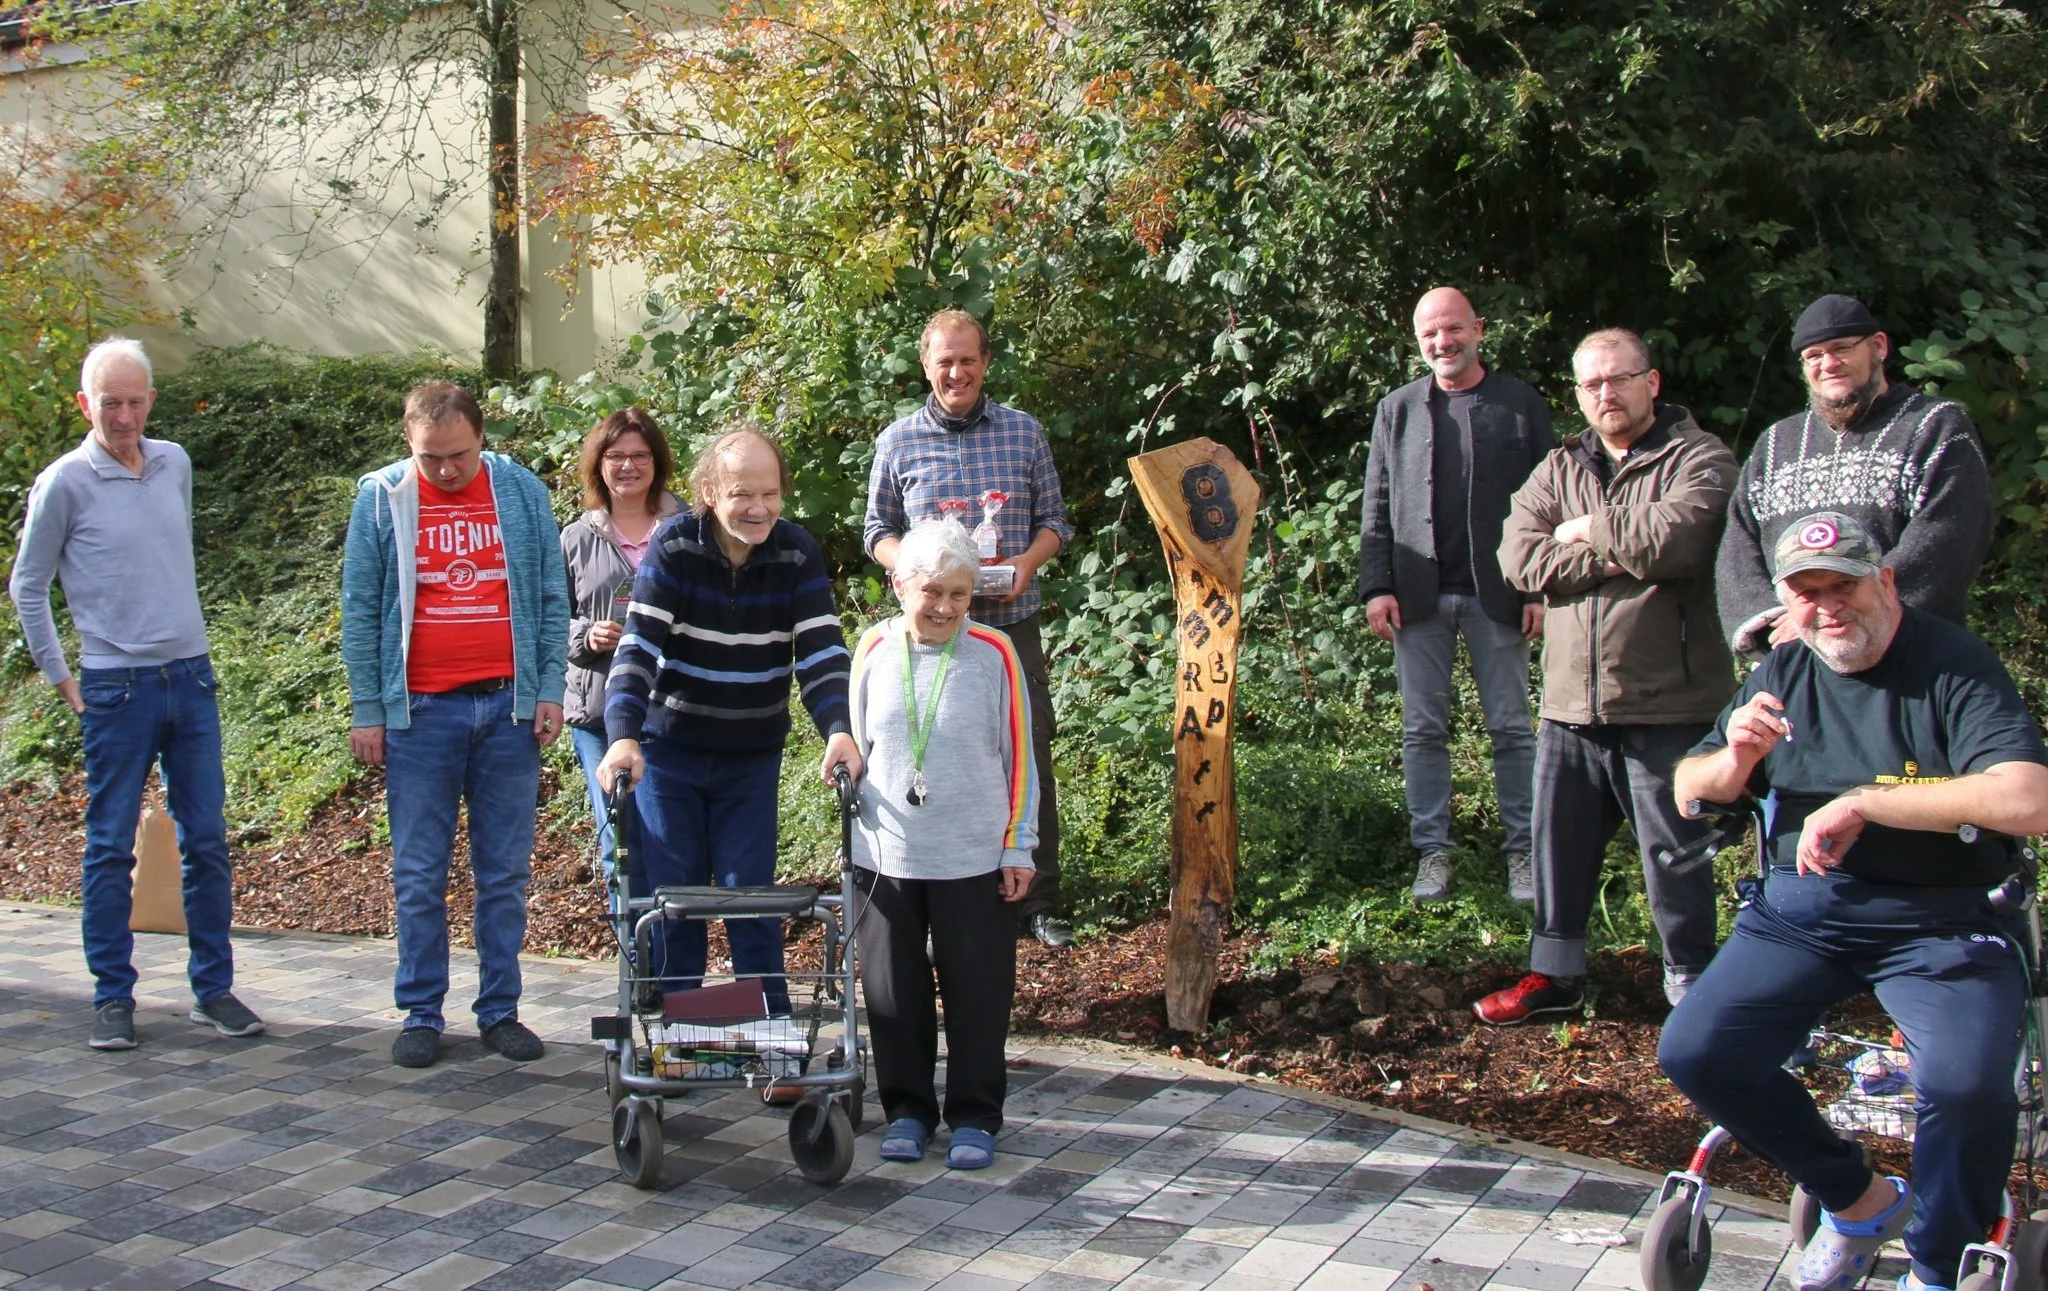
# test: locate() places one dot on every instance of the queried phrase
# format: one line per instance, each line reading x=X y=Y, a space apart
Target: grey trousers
x=1588 y=780
x=1044 y=895
x=1423 y=655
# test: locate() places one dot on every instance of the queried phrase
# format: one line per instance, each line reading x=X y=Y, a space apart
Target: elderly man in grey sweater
x=112 y=521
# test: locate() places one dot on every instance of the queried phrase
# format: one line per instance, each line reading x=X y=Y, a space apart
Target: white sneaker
x=1432 y=876
x=1521 y=877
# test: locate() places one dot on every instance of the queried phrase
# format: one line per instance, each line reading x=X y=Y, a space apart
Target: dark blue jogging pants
x=1952 y=977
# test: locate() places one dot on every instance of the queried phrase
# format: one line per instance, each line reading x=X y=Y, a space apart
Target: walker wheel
x=855 y=1103
x=1978 y=1282
x=636 y=1141
x=2030 y=1255
x=1669 y=1263
x=821 y=1140
x=613 y=1089
x=1802 y=1217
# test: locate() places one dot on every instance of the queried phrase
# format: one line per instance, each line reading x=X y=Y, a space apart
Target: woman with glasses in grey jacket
x=625 y=468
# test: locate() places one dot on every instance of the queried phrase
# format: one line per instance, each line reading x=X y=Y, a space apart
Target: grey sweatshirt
x=121 y=544
x=981 y=808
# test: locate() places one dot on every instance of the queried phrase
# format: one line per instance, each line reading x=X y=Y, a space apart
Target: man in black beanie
x=1904 y=464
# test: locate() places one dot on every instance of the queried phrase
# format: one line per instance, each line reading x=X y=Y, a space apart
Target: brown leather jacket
x=1643 y=646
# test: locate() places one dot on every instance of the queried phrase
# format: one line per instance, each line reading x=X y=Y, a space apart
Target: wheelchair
x=1677 y=1244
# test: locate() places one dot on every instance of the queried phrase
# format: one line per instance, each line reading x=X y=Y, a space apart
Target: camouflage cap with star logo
x=1825 y=540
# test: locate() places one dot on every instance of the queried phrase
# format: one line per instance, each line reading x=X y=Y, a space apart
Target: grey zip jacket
x=596 y=568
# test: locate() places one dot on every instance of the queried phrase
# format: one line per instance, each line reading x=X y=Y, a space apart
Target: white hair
x=108 y=351
x=934 y=549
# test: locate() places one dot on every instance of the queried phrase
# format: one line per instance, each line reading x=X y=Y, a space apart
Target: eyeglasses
x=1814 y=356
x=1618 y=382
x=641 y=458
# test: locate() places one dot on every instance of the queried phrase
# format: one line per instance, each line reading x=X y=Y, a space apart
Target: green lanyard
x=921 y=723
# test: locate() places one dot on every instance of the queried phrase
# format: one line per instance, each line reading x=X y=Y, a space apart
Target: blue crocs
x=904 y=1140
x=972 y=1150
x=1842 y=1251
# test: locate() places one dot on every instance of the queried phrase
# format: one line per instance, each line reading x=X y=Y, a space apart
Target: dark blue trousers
x=709 y=818
x=1952 y=976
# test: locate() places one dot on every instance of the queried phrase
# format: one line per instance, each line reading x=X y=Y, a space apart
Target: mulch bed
x=1396 y=1035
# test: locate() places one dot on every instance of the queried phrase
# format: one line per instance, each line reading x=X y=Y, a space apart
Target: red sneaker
x=1531 y=997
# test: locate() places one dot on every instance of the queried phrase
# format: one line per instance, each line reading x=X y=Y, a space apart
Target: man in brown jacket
x=1617 y=529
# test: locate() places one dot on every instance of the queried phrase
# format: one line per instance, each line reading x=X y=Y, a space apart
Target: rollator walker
x=670 y=1037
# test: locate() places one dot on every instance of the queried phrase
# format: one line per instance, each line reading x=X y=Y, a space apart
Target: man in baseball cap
x=1899 y=770
x=1824 y=540
x=1907 y=465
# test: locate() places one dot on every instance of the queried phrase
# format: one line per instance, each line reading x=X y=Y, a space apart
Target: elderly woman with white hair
x=942 y=846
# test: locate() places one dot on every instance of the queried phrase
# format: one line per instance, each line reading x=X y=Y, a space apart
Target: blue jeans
x=135 y=719
x=709 y=818
x=1950 y=974
x=461 y=748
x=1423 y=654
x=590 y=745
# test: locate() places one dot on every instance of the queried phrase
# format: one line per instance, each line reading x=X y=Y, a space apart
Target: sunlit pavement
x=303 y=1158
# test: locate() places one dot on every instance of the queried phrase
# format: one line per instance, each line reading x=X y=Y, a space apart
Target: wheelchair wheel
x=1978 y=1282
x=636 y=1141
x=821 y=1140
x=1802 y=1217
x=1669 y=1262
x=2030 y=1255
x=613 y=1090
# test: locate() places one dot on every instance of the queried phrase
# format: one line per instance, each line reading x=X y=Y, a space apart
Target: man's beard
x=1853 y=654
x=1848 y=409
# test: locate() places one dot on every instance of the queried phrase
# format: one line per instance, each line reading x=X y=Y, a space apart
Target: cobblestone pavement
x=303 y=1158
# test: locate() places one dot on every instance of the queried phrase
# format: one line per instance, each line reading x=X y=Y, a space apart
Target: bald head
x=1448 y=331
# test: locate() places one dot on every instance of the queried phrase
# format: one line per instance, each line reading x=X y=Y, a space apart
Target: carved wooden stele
x=1203 y=503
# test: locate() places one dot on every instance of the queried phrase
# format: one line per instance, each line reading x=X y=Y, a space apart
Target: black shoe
x=228 y=1015
x=416 y=1047
x=511 y=1039
x=113 y=1026
x=647 y=997
x=1050 y=929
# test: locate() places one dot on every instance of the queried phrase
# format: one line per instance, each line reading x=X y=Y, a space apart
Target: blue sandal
x=1842 y=1250
x=972 y=1150
x=904 y=1140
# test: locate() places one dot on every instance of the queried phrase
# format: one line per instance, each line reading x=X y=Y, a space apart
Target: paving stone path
x=303 y=1158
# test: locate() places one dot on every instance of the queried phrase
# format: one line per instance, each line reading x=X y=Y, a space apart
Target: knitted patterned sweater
x=1911 y=470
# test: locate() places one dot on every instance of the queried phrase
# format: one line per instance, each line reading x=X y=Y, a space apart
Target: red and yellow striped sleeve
x=1023 y=786
x=870 y=641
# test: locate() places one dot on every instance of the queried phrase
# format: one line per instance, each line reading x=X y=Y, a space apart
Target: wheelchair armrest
x=1727 y=824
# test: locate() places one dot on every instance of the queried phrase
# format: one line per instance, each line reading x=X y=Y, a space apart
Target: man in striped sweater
x=1906 y=466
x=731 y=602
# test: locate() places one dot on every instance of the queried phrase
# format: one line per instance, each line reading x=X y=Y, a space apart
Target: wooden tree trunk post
x=1203 y=503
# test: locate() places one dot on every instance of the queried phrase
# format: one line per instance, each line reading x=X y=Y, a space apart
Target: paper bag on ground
x=159 y=877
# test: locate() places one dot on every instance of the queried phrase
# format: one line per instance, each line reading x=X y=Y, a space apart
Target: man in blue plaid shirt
x=941 y=459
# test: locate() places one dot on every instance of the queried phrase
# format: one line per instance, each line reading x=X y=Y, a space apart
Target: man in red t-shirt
x=455 y=612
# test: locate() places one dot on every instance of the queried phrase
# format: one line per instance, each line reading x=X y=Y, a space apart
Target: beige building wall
x=357 y=273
